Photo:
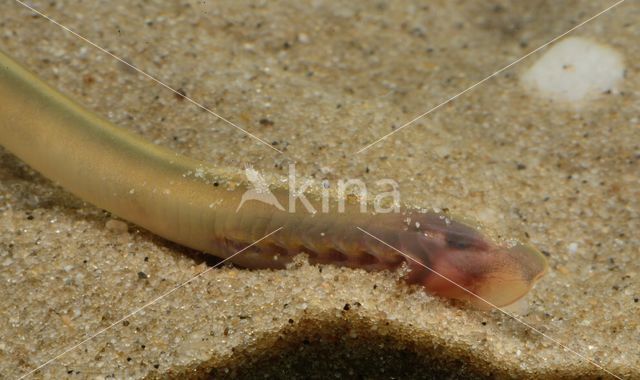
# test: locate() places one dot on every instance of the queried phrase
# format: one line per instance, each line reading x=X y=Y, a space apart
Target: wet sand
x=320 y=81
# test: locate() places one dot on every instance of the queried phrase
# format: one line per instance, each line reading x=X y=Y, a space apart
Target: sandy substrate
x=320 y=80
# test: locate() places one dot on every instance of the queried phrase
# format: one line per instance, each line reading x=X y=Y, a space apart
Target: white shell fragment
x=574 y=70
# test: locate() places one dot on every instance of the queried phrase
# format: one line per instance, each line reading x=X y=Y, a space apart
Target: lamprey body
x=194 y=204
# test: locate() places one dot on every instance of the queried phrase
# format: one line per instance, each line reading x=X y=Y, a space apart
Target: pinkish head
x=465 y=265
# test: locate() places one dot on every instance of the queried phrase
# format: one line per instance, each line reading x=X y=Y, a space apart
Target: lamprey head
x=454 y=260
